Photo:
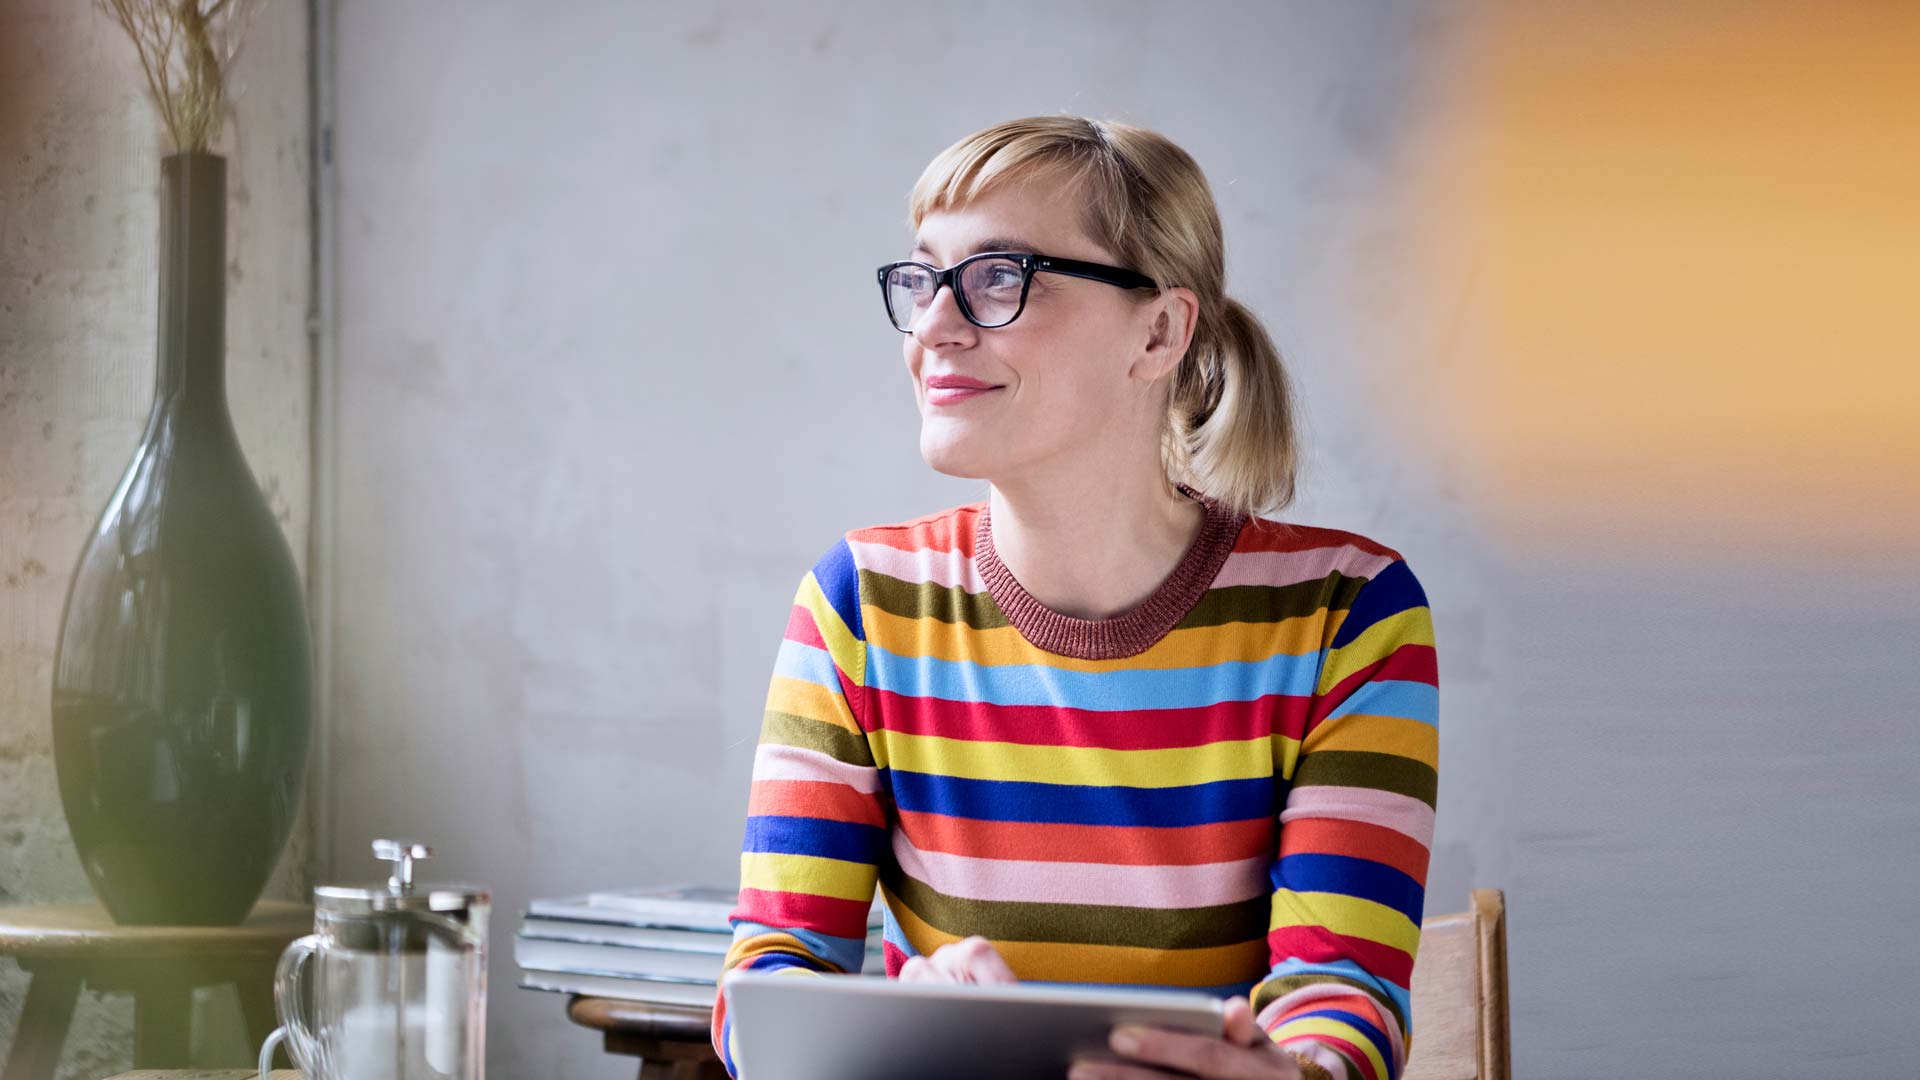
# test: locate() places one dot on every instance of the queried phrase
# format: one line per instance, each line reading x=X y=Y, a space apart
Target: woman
x=1109 y=724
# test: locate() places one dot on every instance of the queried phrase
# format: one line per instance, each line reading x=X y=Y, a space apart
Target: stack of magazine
x=662 y=944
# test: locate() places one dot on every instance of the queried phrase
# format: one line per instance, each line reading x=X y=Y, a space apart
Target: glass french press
x=392 y=983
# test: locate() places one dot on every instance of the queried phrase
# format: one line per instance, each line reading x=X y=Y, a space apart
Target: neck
x=1095 y=548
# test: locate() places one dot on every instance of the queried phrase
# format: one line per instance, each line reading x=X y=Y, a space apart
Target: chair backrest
x=1460 y=994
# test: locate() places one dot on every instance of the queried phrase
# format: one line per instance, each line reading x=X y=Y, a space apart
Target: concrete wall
x=612 y=374
x=80 y=150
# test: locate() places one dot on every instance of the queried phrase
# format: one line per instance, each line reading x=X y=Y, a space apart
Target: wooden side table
x=65 y=946
x=673 y=1042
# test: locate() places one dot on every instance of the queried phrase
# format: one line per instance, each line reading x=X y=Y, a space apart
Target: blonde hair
x=1229 y=428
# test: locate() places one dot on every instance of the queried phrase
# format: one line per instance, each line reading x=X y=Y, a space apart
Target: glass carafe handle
x=294 y=1020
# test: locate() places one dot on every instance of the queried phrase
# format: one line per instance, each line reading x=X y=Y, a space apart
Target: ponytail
x=1230 y=430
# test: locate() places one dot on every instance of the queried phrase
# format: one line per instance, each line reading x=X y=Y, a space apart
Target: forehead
x=1022 y=216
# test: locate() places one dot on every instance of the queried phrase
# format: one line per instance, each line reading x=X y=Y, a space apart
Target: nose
x=942 y=323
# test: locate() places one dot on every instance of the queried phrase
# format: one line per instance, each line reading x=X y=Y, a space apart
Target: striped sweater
x=1230 y=787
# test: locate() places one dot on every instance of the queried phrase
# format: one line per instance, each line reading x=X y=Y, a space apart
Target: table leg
x=163 y=1025
x=51 y=994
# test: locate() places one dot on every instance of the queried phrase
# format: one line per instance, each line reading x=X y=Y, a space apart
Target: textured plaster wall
x=80 y=150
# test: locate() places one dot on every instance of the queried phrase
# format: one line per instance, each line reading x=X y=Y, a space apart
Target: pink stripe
x=1201 y=885
x=771 y=761
x=1401 y=813
x=1293 y=567
x=946 y=569
x=1293 y=999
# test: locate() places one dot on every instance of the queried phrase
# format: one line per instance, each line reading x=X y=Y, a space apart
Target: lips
x=954 y=395
x=953 y=389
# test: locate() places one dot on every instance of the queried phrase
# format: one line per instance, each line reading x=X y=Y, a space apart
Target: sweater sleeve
x=1349 y=880
x=816 y=825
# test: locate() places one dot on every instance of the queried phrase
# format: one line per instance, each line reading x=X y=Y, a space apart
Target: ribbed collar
x=1132 y=631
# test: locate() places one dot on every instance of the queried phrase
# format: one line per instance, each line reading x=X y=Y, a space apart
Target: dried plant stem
x=187 y=50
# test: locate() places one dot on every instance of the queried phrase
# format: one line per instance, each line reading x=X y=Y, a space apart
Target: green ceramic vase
x=182 y=687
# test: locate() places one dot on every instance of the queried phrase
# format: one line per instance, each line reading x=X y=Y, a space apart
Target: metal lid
x=399 y=893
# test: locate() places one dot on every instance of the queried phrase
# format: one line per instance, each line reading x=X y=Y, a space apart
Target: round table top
x=644 y=1018
x=77 y=930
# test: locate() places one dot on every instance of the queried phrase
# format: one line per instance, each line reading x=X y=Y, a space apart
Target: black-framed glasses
x=990 y=288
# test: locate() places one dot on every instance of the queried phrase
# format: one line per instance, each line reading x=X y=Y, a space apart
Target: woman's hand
x=1245 y=1054
x=969 y=960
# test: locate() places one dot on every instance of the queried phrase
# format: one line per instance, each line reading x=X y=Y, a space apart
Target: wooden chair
x=1460 y=994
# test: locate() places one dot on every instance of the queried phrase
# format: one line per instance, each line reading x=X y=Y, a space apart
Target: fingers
x=1105 y=1070
x=1203 y=1055
x=1241 y=1028
x=984 y=962
x=969 y=960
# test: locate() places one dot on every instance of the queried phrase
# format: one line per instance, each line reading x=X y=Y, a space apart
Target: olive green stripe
x=1216 y=607
x=1083 y=924
x=790 y=729
x=1369 y=769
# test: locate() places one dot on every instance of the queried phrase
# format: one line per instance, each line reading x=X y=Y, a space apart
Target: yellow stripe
x=1380 y=735
x=1308 y=1026
x=1342 y=914
x=803 y=697
x=809 y=874
x=1090 y=765
x=1197 y=646
x=1413 y=626
x=760 y=944
x=842 y=645
x=1067 y=962
x=1286 y=751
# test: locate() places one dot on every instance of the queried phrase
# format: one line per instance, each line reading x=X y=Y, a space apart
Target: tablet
x=843 y=1027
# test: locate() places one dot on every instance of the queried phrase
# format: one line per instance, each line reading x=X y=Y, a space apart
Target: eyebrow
x=991 y=243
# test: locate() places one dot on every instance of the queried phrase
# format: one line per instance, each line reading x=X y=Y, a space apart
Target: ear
x=1171 y=321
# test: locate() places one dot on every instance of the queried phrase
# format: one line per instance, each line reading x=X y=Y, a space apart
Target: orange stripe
x=814 y=799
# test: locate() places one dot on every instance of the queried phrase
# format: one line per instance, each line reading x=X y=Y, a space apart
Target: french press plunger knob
x=401 y=854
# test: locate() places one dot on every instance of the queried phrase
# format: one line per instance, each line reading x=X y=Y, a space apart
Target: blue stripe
x=809 y=663
x=1393 y=697
x=822 y=837
x=1108 y=689
x=1374 y=1035
x=1347 y=969
x=1076 y=804
x=839 y=581
x=846 y=952
x=1388 y=593
x=1350 y=876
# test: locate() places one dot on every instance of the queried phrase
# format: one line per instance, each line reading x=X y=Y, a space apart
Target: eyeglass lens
x=990 y=288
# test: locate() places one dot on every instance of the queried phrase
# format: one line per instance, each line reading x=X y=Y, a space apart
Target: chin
x=957 y=457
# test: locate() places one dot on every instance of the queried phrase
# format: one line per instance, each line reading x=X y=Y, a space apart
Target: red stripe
x=1356 y=1003
x=801 y=911
x=1126 y=729
x=1359 y=839
x=1308 y=538
x=1320 y=945
x=894 y=957
x=1361 y=1062
x=941 y=531
x=814 y=799
x=1408 y=663
x=1189 y=845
